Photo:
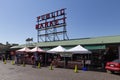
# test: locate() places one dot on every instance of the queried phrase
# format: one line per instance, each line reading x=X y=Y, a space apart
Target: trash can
x=84 y=69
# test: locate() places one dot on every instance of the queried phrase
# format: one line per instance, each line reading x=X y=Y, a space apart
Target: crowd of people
x=36 y=58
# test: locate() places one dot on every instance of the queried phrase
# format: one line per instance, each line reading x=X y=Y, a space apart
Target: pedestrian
x=36 y=58
x=3 y=58
x=41 y=59
x=49 y=61
x=32 y=59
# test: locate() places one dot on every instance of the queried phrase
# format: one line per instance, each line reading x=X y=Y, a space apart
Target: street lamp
x=29 y=41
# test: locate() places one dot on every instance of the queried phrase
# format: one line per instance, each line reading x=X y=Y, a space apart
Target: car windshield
x=117 y=60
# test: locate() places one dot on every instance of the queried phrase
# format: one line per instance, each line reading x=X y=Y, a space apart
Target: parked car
x=113 y=66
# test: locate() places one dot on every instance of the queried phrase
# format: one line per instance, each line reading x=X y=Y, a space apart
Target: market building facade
x=104 y=49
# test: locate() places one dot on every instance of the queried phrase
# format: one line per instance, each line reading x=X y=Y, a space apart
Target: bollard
x=13 y=62
x=39 y=65
x=84 y=69
x=51 y=67
x=4 y=61
x=24 y=64
x=76 y=69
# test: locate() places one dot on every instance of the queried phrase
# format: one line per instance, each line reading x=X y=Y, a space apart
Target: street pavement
x=18 y=72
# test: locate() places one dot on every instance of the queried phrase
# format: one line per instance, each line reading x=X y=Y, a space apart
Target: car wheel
x=108 y=71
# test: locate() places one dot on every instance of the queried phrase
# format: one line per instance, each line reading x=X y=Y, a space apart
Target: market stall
x=60 y=51
x=38 y=56
x=80 y=55
x=22 y=55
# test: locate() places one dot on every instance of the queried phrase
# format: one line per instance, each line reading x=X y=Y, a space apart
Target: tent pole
x=45 y=58
x=64 y=60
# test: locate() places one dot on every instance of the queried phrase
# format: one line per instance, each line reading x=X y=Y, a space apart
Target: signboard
x=53 y=17
x=48 y=26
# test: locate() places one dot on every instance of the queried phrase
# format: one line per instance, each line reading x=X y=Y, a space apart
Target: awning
x=46 y=48
x=95 y=47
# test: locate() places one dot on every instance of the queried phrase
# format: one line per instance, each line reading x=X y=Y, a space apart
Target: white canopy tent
x=60 y=50
x=79 y=50
x=37 y=49
x=57 y=49
x=25 y=49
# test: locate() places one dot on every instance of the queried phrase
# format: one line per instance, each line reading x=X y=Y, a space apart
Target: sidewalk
x=14 y=72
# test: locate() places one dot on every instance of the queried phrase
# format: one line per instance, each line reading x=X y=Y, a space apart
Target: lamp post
x=29 y=41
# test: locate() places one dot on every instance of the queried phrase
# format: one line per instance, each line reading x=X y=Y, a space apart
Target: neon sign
x=52 y=19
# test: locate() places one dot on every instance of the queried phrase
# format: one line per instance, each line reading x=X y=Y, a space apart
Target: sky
x=85 y=18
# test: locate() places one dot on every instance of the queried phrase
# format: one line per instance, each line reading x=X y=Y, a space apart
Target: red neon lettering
x=56 y=22
x=62 y=11
x=41 y=25
x=46 y=24
x=51 y=23
x=53 y=14
x=57 y=13
x=37 y=26
x=43 y=17
x=38 y=18
x=47 y=16
x=64 y=20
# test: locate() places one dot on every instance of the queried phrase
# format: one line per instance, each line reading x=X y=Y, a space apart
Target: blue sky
x=85 y=18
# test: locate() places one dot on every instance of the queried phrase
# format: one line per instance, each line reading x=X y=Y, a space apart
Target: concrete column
x=119 y=52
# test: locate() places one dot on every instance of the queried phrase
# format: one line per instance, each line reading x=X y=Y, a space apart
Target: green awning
x=95 y=47
x=46 y=49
